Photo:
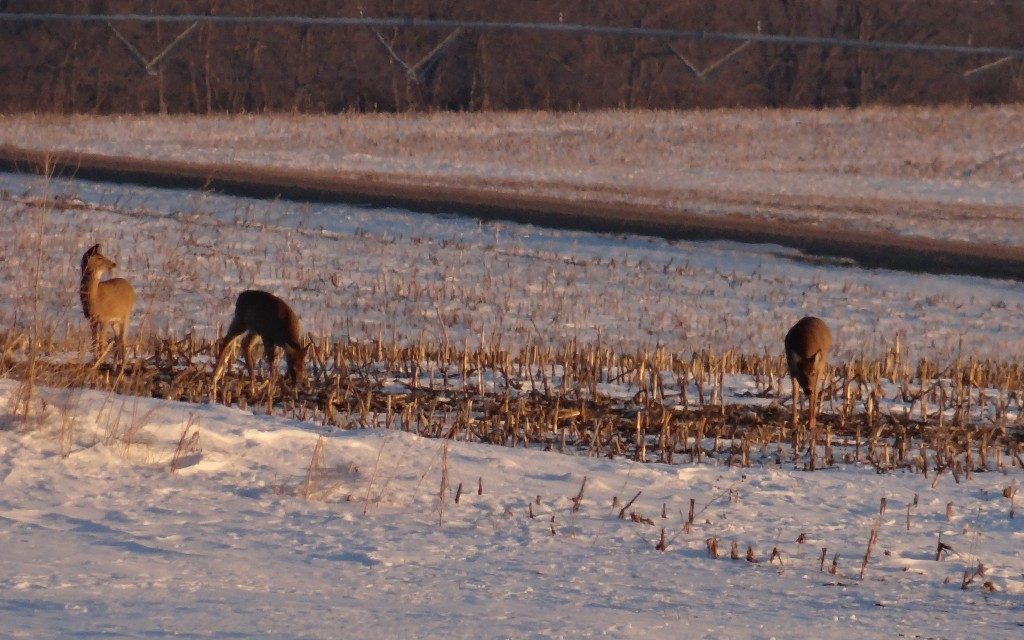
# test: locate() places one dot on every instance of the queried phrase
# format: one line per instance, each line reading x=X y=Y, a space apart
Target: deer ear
x=94 y=249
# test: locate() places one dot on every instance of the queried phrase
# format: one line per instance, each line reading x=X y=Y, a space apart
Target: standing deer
x=264 y=315
x=105 y=302
x=807 y=345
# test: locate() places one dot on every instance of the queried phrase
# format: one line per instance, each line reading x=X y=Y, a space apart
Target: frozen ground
x=944 y=173
x=364 y=273
x=245 y=541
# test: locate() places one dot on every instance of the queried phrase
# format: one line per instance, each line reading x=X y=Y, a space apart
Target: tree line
x=84 y=67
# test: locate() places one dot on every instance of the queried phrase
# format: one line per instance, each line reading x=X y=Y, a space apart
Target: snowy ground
x=239 y=543
x=945 y=173
x=364 y=273
x=242 y=541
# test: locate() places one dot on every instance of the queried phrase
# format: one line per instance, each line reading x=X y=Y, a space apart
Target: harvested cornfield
x=657 y=406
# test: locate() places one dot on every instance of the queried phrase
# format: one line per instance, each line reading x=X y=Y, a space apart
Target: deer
x=105 y=302
x=807 y=346
x=263 y=315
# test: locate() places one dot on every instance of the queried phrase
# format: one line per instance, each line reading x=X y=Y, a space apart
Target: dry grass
x=398 y=279
x=874 y=140
x=489 y=333
x=648 y=406
x=814 y=166
x=187 y=451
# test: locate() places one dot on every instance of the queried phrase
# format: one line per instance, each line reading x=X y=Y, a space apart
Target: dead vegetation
x=889 y=169
x=650 y=406
x=291 y=69
x=508 y=336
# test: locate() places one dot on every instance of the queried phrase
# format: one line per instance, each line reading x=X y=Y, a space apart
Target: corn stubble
x=590 y=401
x=645 y=405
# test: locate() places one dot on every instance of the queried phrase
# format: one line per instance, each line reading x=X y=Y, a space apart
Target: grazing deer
x=264 y=315
x=105 y=302
x=807 y=345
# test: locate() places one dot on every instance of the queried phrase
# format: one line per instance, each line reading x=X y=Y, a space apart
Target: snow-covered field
x=254 y=530
x=357 y=272
x=245 y=540
x=945 y=173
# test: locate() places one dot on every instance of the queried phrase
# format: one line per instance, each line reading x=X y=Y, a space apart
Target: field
x=936 y=173
x=486 y=398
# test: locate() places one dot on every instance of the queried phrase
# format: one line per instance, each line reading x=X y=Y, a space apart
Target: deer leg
x=812 y=423
x=294 y=374
x=122 y=350
x=99 y=345
x=247 y=347
x=270 y=350
x=94 y=329
x=235 y=330
x=796 y=420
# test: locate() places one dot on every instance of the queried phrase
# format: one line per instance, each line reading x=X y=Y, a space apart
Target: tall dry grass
x=503 y=334
x=657 y=405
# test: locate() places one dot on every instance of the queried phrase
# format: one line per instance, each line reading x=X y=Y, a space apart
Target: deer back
x=114 y=300
x=268 y=316
x=807 y=347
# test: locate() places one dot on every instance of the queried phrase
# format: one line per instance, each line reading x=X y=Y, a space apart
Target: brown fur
x=105 y=302
x=264 y=315
x=807 y=346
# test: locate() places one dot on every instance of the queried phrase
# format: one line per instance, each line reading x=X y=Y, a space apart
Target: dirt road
x=866 y=248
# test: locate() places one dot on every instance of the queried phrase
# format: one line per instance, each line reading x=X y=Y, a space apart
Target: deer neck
x=89 y=290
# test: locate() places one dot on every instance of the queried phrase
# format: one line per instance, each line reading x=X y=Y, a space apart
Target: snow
x=239 y=542
x=360 y=273
x=944 y=173
x=266 y=527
